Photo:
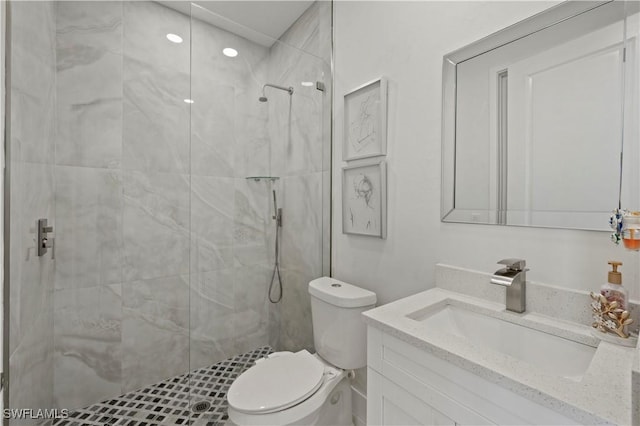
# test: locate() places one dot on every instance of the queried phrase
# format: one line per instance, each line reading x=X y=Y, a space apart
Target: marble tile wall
x=88 y=326
x=155 y=330
x=89 y=203
x=122 y=199
x=30 y=154
x=89 y=82
x=162 y=245
x=301 y=147
x=156 y=212
x=89 y=246
x=156 y=82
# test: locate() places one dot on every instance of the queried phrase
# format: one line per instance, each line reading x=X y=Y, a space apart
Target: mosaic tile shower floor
x=169 y=402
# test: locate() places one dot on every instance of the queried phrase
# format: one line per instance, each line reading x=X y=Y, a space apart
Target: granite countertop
x=602 y=396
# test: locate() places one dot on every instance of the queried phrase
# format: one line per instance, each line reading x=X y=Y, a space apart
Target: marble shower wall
x=122 y=199
x=164 y=250
x=300 y=133
x=162 y=263
x=30 y=162
x=155 y=215
x=89 y=203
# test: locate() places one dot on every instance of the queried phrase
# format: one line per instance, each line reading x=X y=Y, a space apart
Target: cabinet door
x=407 y=385
x=389 y=404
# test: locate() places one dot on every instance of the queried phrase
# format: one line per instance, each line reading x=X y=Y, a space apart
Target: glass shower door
x=260 y=136
x=30 y=185
x=153 y=159
x=99 y=145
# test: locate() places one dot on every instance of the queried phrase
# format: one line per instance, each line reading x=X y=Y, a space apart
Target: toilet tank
x=339 y=332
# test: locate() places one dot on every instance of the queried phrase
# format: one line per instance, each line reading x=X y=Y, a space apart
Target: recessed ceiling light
x=174 y=38
x=230 y=52
x=307 y=83
x=188 y=101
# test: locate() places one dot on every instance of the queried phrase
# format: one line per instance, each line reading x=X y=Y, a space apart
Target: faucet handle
x=514 y=264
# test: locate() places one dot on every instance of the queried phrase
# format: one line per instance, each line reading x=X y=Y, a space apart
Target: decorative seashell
x=624 y=315
x=610 y=325
x=627 y=321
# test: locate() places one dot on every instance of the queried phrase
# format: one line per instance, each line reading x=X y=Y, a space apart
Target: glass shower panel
x=157 y=165
x=156 y=208
x=300 y=135
x=100 y=146
x=87 y=323
x=30 y=194
x=229 y=213
x=253 y=146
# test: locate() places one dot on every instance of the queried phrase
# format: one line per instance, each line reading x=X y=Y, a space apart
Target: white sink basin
x=554 y=355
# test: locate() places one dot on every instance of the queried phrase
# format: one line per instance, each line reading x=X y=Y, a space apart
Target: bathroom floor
x=169 y=402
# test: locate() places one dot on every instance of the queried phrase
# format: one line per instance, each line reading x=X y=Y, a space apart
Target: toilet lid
x=276 y=383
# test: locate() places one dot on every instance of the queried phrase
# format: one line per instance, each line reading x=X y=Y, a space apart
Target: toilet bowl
x=291 y=388
x=303 y=388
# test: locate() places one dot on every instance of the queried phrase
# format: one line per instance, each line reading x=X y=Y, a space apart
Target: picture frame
x=364 y=198
x=365 y=121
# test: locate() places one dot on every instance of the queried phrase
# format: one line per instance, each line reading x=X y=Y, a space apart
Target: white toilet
x=303 y=388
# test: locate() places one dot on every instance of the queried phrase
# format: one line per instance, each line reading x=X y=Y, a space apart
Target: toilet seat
x=276 y=383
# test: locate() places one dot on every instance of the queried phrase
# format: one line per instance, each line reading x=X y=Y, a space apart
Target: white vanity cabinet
x=407 y=385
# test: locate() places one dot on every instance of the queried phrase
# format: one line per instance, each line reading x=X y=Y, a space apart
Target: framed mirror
x=534 y=119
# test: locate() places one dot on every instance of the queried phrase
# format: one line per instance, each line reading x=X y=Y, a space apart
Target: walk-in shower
x=155 y=168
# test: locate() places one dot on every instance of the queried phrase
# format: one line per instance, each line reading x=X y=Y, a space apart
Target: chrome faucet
x=514 y=278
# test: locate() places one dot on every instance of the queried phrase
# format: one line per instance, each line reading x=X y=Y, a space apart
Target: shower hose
x=276 y=265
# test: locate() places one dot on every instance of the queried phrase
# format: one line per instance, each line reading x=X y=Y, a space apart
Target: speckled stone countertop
x=602 y=396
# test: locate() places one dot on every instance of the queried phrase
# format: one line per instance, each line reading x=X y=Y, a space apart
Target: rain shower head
x=264 y=98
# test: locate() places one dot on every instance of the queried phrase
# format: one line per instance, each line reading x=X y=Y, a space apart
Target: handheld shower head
x=277 y=212
x=263 y=98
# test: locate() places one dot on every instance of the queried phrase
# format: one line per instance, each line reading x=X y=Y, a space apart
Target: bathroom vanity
x=453 y=355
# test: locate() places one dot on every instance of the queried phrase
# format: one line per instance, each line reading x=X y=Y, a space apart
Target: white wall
x=405 y=41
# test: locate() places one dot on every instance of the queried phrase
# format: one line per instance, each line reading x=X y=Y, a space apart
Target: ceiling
x=260 y=21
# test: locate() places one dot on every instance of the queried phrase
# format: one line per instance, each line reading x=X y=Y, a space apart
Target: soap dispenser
x=613 y=289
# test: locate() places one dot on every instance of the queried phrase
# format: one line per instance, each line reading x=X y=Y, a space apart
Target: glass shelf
x=259 y=178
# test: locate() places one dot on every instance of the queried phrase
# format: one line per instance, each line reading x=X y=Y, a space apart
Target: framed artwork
x=364 y=199
x=365 y=121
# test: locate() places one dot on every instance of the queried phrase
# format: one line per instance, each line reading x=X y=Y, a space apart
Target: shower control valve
x=45 y=242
